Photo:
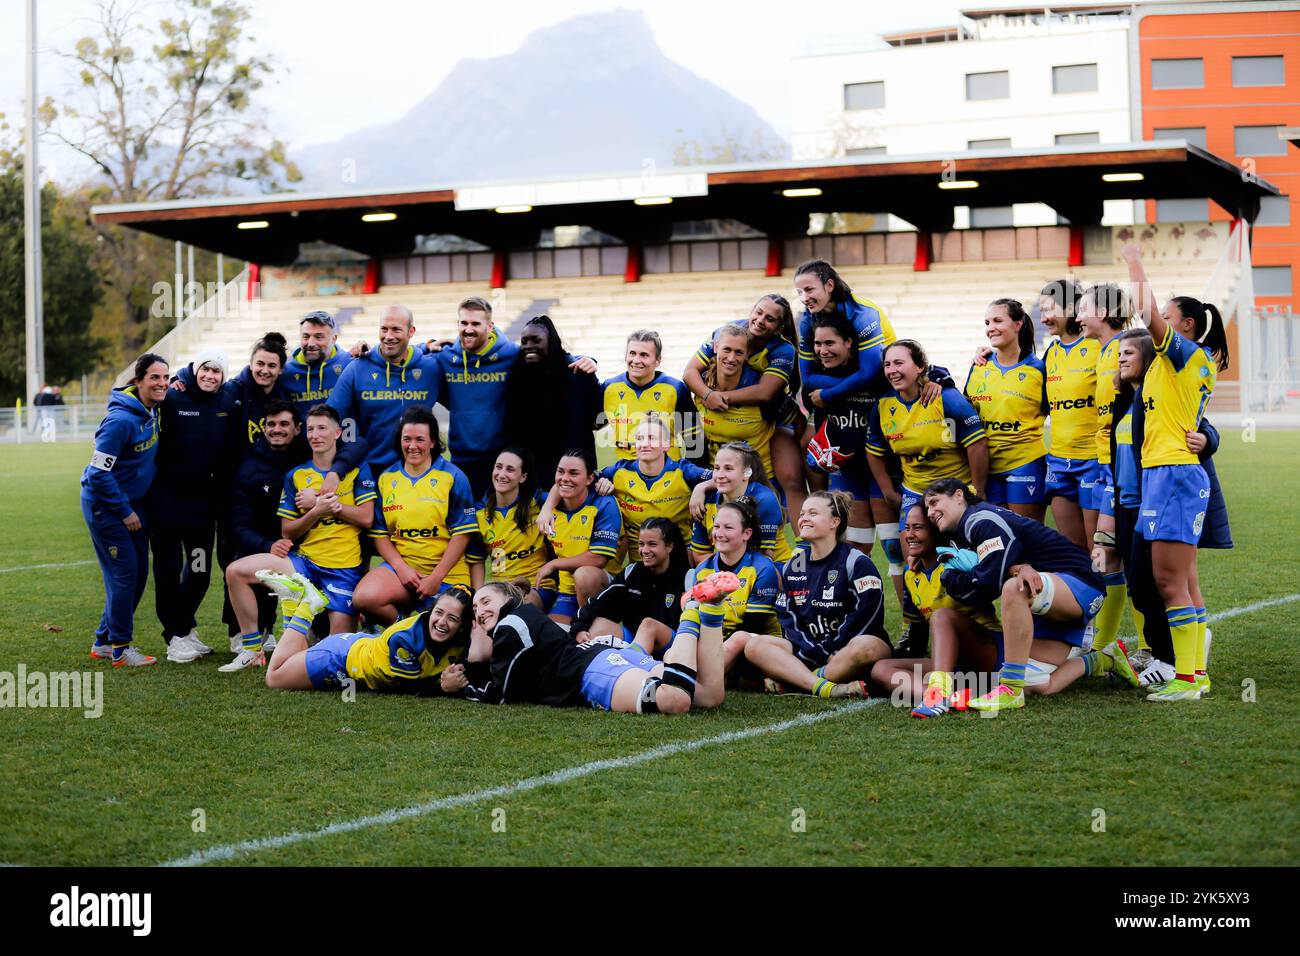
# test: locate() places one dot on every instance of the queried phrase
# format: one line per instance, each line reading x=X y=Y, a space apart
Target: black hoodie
x=198 y=446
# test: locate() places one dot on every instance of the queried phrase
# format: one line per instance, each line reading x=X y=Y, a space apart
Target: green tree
x=70 y=285
x=164 y=112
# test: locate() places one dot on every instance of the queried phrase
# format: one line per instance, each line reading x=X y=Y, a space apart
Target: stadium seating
x=942 y=308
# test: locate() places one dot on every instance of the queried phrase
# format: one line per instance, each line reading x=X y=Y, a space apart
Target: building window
x=988 y=86
x=1272 y=280
x=1182 y=210
x=864 y=96
x=1077 y=139
x=865 y=151
x=1274 y=211
x=991 y=217
x=1079 y=78
x=1258 y=141
x=1004 y=143
x=1193 y=134
x=1258 y=71
x=1177 y=74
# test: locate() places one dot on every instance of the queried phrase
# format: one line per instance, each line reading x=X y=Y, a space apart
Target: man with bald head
x=374 y=391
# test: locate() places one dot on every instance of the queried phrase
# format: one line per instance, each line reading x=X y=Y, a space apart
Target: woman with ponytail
x=1191 y=348
x=831 y=609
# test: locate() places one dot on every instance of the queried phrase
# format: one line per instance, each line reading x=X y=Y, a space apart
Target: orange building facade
x=1226 y=76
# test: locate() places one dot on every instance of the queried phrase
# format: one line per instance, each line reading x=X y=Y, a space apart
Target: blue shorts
x=603 y=672
x=1071 y=632
x=855 y=477
x=564 y=604
x=910 y=499
x=327 y=661
x=1072 y=479
x=1174 y=499
x=1103 y=496
x=337 y=584
x=1025 y=485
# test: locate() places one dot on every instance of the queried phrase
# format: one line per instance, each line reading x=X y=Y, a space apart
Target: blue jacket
x=310 y=385
x=198 y=451
x=869 y=376
x=251 y=402
x=373 y=393
x=474 y=390
x=123 y=464
x=255 y=495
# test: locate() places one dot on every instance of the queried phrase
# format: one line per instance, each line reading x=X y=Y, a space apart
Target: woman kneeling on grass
x=407 y=657
x=1046 y=604
x=534 y=660
x=831 y=609
x=961 y=637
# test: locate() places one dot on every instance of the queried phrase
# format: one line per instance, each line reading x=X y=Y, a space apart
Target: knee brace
x=646 y=703
x=888 y=535
x=681 y=677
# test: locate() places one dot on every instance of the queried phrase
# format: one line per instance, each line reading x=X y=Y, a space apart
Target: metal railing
x=74 y=421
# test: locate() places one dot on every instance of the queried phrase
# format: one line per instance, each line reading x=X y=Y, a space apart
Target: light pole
x=32 y=226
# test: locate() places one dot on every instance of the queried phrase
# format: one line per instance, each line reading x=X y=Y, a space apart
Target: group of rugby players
x=513 y=568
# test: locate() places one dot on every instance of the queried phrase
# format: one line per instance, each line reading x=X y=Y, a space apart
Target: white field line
x=232 y=850
x=41 y=567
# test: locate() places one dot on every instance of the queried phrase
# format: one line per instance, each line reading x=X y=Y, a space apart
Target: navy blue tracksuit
x=113 y=486
x=202 y=434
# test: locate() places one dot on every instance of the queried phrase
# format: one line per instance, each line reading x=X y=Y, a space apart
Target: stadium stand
x=943 y=307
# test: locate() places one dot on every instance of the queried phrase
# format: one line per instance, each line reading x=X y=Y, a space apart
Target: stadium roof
x=774 y=198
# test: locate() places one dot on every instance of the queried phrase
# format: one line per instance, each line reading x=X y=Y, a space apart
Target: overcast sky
x=346 y=64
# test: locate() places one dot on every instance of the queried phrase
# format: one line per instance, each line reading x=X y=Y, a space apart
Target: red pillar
x=633 y=271
x=773 y=257
x=498 y=270
x=924 y=253
x=371 y=284
x=1076 y=246
x=254 y=290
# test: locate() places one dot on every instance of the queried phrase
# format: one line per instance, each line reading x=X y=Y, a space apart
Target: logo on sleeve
x=988 y=547
x=866 y=584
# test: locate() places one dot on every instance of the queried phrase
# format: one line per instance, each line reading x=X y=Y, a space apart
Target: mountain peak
x=591 y=94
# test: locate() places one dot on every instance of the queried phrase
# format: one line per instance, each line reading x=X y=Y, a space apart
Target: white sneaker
x=245 y=658
x=268 y=644
x=1140 y=659
x=193 y=639
x=134 y=657
x=236 y=644
x=181 y=651
x=286 y=587
x=1157 y=673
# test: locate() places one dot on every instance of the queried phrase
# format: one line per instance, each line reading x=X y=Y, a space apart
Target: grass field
x=1212 y=783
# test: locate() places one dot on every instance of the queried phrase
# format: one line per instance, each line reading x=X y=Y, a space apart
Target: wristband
x=1103 y=538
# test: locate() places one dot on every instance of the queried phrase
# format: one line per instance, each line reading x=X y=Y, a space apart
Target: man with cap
x=314 y=369
x=199 y=445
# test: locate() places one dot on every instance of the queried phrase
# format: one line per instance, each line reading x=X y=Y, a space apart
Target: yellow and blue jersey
x=422 y=513
x=930 y=440
x=873 y=334
x=1107 y=370
x=331 y=542
x=593 y=526
x=1012 y=404
x=1128 y=481
x=1072 y=398
x=771 y=521
x=626 y=406
x=510 y=552
x=755 y=599
x=666 y=495
x=776 y=357
x=924 y=593
x=1177 y=387
x=402 y=657
x=745 y=423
